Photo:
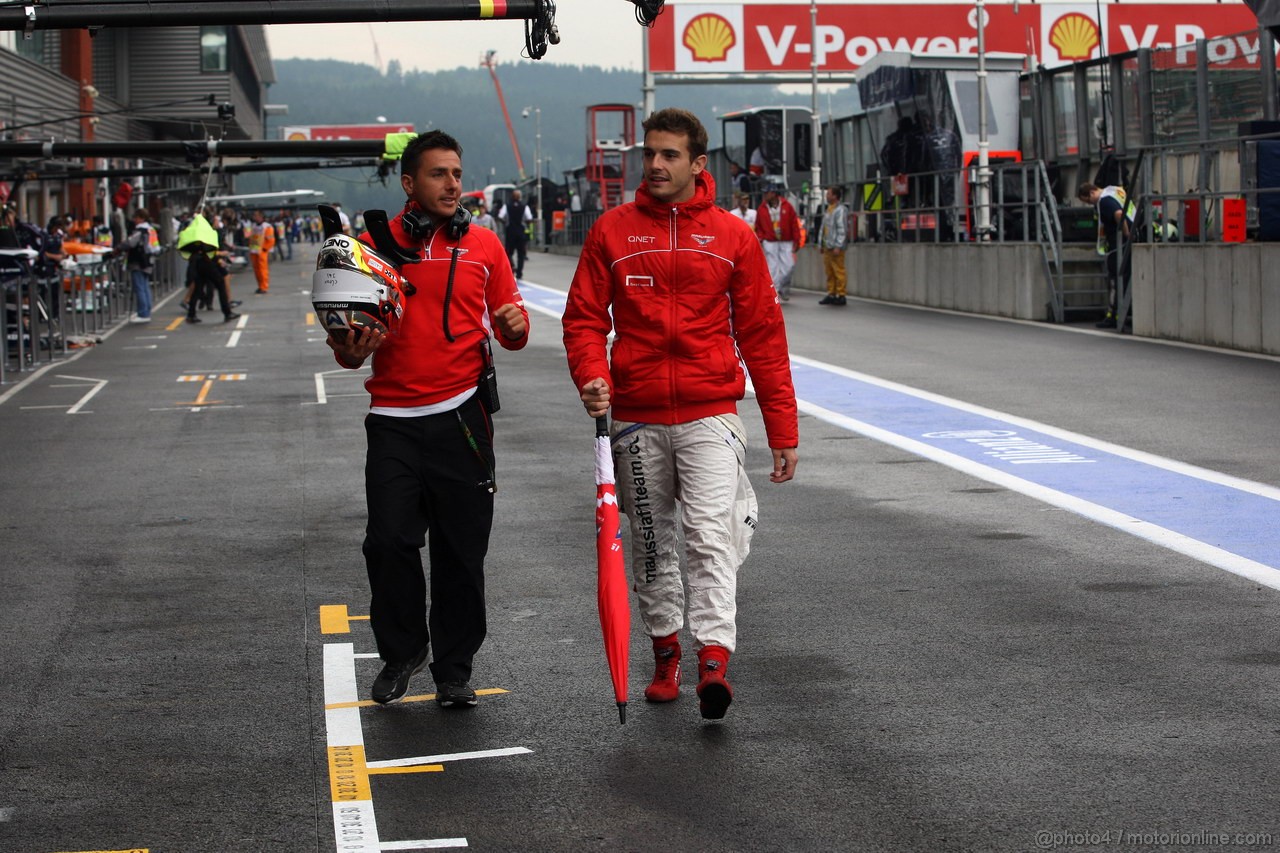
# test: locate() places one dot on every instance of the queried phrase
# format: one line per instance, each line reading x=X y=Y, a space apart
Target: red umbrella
x=615 y=607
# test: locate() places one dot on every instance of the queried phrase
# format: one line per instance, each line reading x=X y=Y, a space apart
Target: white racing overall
x=699 y=464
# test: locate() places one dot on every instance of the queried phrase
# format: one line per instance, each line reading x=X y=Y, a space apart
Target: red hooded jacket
x=691 y=300
x=418 y=365
x=787 y=229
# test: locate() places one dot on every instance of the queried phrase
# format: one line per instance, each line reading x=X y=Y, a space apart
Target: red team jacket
x=787 y=230
x=691 y=300
x=418 y=366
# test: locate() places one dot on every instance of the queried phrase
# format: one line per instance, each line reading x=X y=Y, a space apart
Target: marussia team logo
x=703 y=240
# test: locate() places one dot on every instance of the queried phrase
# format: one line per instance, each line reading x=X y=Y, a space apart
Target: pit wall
x=1214 y=294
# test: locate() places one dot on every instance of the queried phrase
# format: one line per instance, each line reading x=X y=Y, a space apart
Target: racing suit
x=687 y=291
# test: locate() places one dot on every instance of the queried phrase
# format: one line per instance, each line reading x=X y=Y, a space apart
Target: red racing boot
x=714 y=692
x=666 y=670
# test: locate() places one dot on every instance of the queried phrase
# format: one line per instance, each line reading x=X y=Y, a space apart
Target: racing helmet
x=354 y=287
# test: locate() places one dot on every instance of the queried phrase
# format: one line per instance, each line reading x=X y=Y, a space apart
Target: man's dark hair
x=1084 y=191
x=672 y=120
x=141 y=215
x=425 y=142
x=838 y=190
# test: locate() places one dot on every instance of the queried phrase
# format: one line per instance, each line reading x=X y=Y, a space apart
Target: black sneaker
x=194 y=319
x=227 y=318
x=393 y=681
x=827 y=300
x=455 y=694
x=840 y=300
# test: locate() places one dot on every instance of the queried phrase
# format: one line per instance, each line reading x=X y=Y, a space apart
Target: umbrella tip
x=622 y=713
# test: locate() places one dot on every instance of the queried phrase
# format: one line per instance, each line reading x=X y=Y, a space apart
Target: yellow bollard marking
x=175 y=324
x=311 y=318
x=348 y=775
x=424 y=697
x=334 y=619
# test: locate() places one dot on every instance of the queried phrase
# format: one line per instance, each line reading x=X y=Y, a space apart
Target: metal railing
x=46 y=316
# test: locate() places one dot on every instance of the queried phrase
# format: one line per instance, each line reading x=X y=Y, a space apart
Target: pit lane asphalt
x=926 y=661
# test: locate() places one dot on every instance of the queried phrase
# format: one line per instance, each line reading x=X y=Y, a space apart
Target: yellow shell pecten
x=709 y=37
x=1075 y=36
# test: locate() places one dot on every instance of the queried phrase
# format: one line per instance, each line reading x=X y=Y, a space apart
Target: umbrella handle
x=602 y=426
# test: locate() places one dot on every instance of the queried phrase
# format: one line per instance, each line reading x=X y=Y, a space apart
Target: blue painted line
x=1243 y=520
x=544 y=298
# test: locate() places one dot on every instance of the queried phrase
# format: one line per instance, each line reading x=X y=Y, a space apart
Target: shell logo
x=1075 y=36
x=709 y=37
x=298 y=135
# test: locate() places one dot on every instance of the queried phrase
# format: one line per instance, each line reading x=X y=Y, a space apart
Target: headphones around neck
x=418 y=225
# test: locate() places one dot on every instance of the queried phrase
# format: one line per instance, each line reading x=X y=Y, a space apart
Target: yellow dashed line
x=175 y=324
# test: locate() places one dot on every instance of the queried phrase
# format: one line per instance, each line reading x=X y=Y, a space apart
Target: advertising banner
x=344 y=131
x=734 y=38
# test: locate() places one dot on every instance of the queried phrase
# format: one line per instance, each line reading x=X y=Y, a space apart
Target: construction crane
x=487 y=61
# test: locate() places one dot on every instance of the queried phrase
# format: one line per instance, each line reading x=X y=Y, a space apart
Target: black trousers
x=424 y=484
x=517 y=251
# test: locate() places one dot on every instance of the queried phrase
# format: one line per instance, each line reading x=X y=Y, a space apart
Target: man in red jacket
x=685 y=286
x=778 y=228
x=430 y=463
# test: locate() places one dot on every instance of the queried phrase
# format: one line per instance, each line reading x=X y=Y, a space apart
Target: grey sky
x=592 y=32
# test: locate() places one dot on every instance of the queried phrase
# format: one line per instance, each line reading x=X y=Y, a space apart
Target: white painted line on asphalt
x=452 y=756
x=235 y=336
x=98 y=384
x=322 y=393
x=145 y=346
x=1254 y=571
x=343 y=724
x=355 y=826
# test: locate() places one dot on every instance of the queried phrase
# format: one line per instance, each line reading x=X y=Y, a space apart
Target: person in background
x=204 y=275
x=1115 y=212
x=778 y=228
x=687 y=291
x=743 y=210
x=262 y=239
x=514 y=214
x=834 y=241
x=343 y=218
x=484 y=218
x=139 y=262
